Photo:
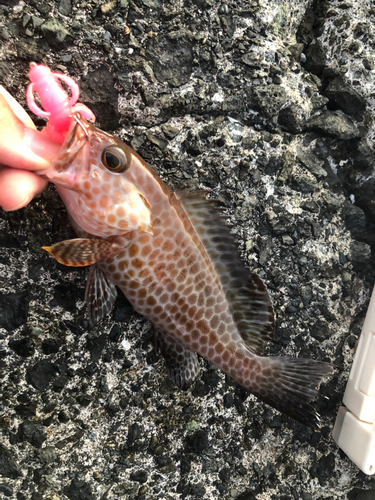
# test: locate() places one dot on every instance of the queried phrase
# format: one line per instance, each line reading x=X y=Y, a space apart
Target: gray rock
x=152 y=4
x=79 y=490
x=172 y=57
x=269 y=98
x=14 y=309
x=125 y=80
x=6 y=490
x=331 y=200
x=320 y=330
x=306 y=293
x=203 y=4
x=8 y=466
x=296 y=51
x=287 y=240
x=66 y=58
x=359 y=494
x=355 y=222
x=364 y=191
x=48 y=454
x=311 y=162
x=32 y=432
x=43 y=7
x=364 y=156
x=252 y=59
x=158 y=141
x=41 y=374
x=324 y=468
x=65 y=7
x=315 y=58
x=369 y=62
x=292 y=118
x=310 y=206
x=345 y=97
x=37 y=21
x=4 y=34
x=334 y=123
x=304 y=181
x=99 y=94
x=76 y=25
x=360 y=254
x=24 y=347
x=170 y=131
x=57 y=36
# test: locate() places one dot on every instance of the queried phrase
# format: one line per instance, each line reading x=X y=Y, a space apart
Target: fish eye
x=114 y=159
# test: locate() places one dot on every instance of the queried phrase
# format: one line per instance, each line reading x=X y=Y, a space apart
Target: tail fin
x=292 y=385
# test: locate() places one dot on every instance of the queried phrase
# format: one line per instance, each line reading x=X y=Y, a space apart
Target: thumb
x=19 y=187
x=22 y=146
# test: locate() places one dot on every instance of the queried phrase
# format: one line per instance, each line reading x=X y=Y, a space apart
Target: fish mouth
x=60 y=172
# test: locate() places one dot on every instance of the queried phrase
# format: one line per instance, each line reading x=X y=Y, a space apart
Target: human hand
x=22 y=150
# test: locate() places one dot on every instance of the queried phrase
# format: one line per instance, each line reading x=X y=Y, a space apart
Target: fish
x=174 y=258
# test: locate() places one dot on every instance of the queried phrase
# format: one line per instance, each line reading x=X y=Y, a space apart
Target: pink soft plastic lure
x=185 y=275
x=57 y=106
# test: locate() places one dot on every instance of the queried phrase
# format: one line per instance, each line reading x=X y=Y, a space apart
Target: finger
x=19 y=187
x=22 y=146
x=17 y=108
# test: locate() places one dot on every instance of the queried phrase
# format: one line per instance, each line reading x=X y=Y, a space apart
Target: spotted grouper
x=173 y=257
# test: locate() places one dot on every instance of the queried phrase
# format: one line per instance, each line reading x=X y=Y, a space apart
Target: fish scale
x=180 y=268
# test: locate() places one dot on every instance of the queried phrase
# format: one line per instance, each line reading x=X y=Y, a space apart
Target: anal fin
x=100 y=294
x=182 y=364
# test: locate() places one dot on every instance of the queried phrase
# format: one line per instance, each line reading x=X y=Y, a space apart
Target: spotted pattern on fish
x=187 y=278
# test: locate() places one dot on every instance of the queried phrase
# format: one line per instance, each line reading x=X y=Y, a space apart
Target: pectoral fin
x=83 y=251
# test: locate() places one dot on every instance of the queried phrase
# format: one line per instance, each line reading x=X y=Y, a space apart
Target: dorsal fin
x=250 y=303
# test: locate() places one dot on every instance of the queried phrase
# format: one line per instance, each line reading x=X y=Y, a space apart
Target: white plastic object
x=354 y=430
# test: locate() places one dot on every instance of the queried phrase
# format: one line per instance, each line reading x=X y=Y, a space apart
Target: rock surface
x=270 y=105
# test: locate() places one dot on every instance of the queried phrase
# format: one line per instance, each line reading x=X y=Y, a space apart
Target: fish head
x=93 y=175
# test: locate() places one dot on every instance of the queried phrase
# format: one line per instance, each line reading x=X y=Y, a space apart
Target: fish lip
x=65 y=178
x=75 y=140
